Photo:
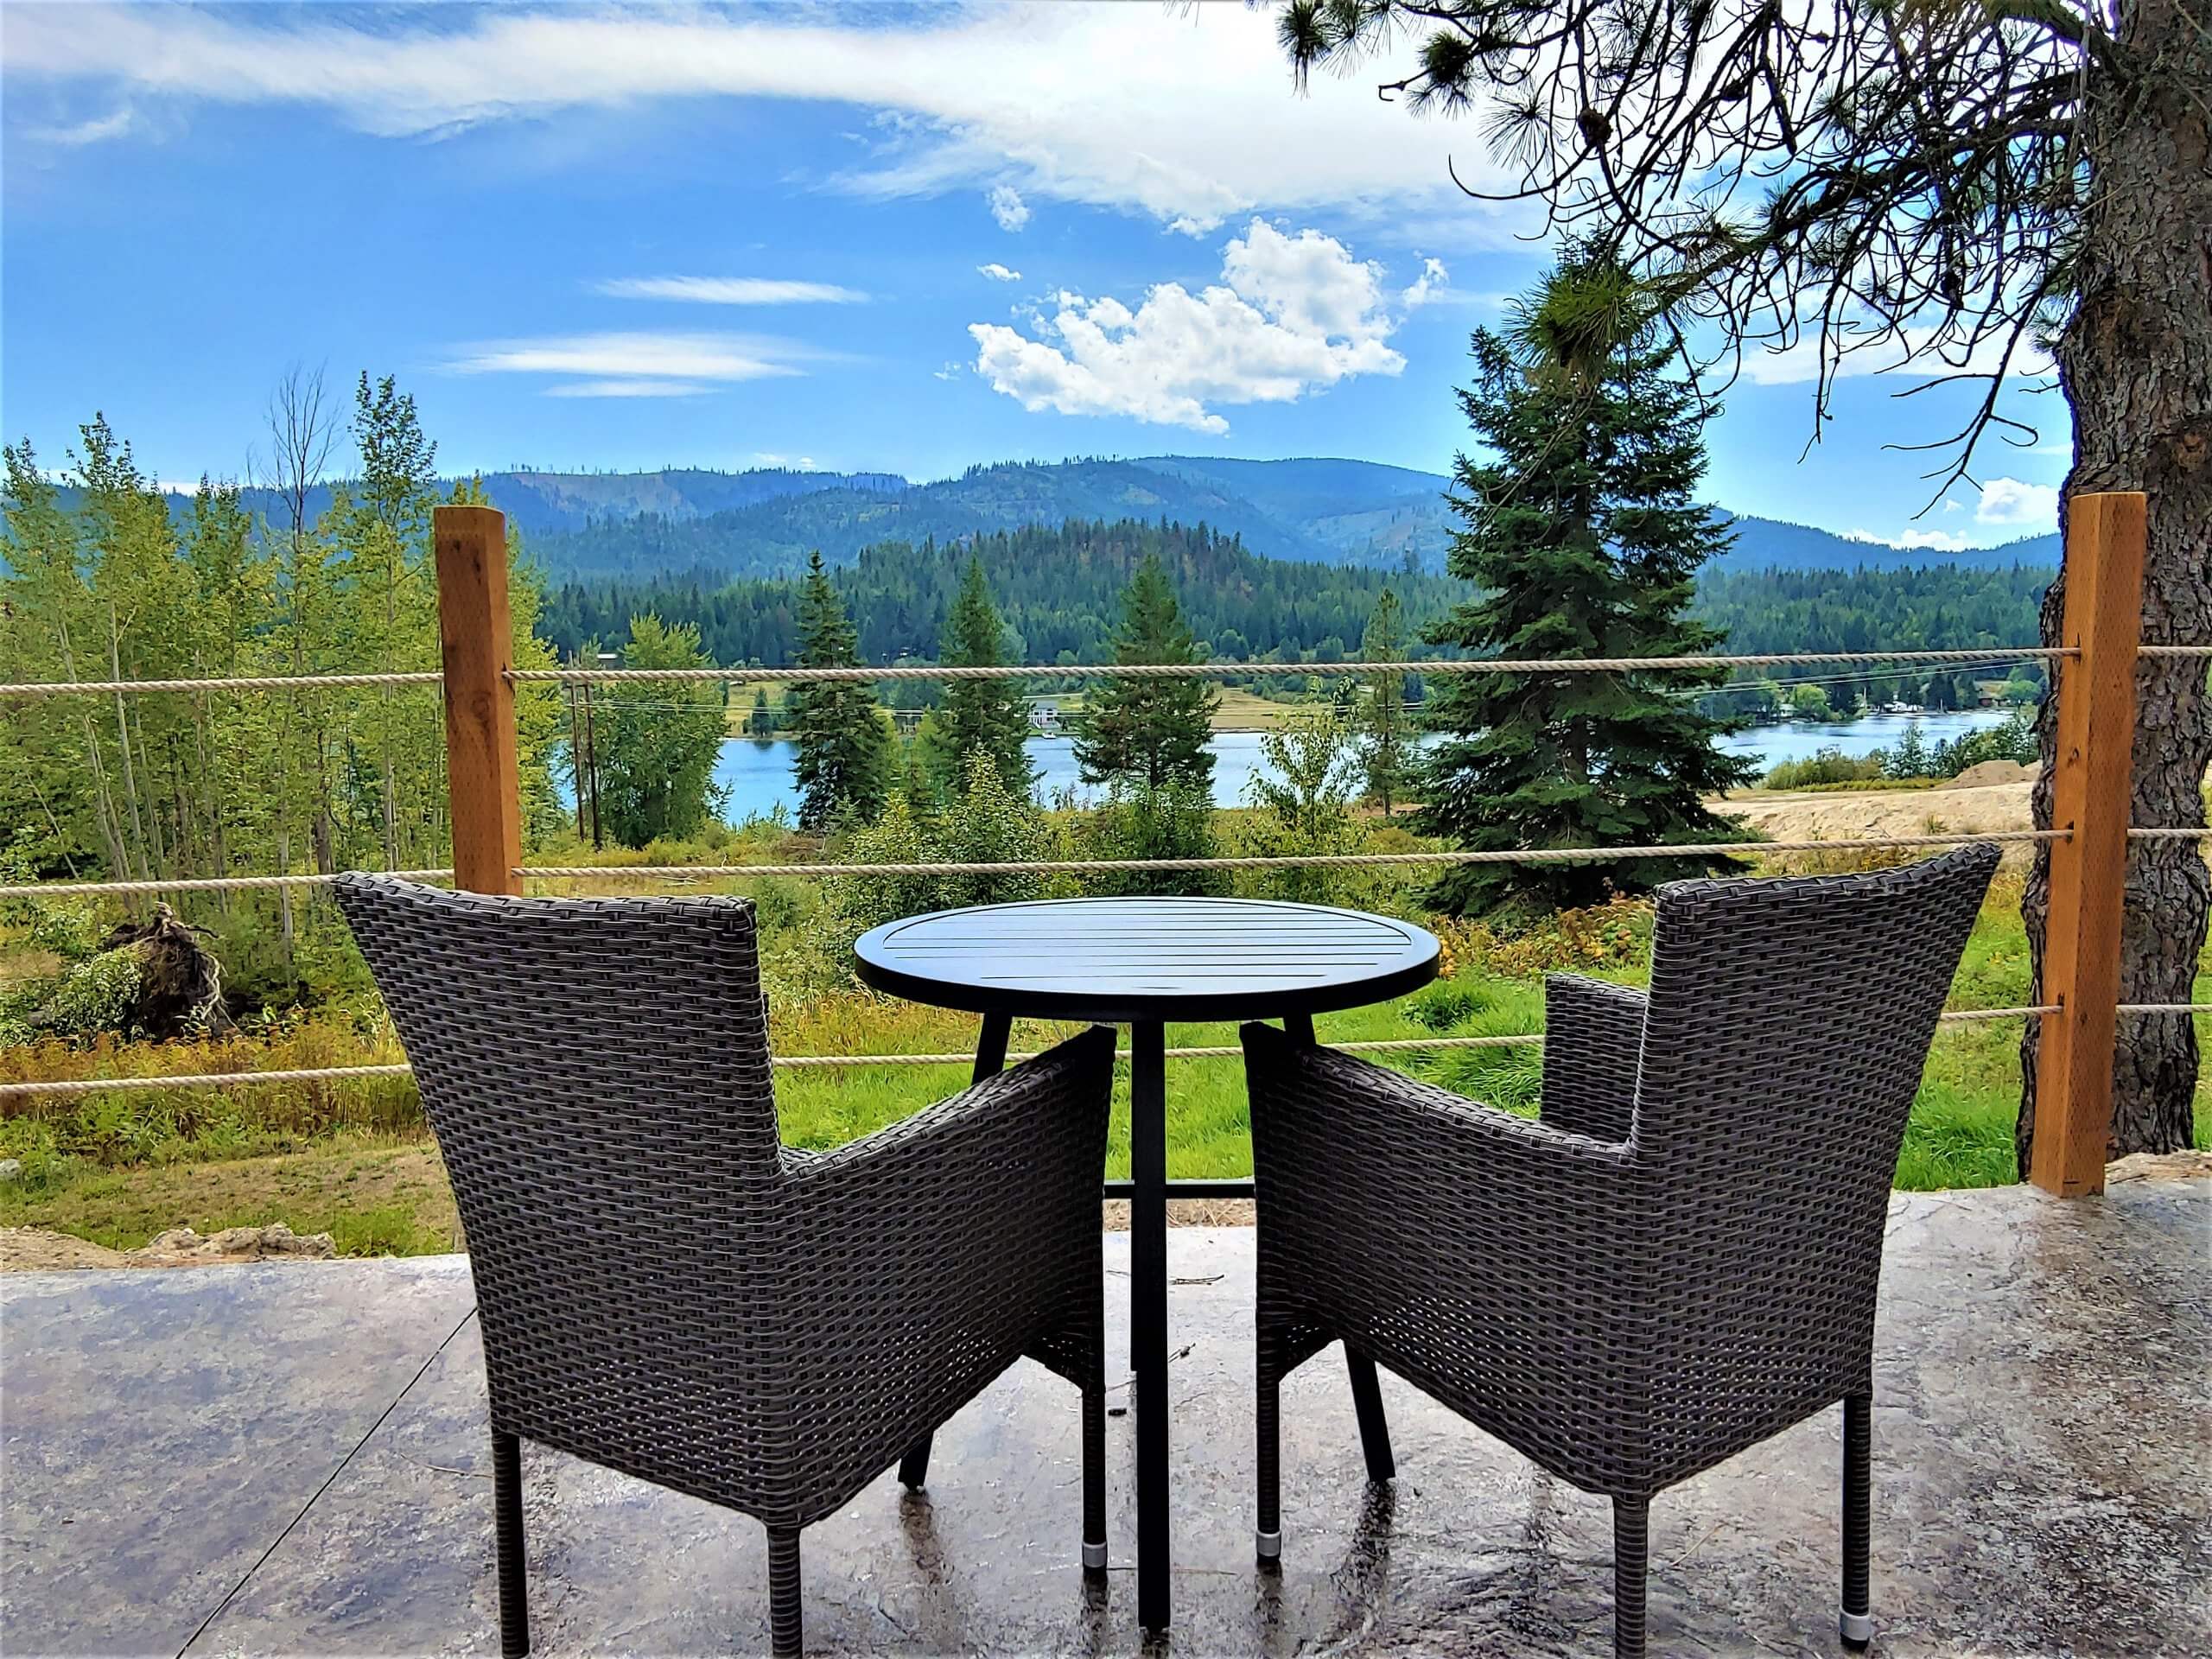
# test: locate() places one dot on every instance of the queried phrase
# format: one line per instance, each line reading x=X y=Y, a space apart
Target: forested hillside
x=1058 y=586
x=1928 y=607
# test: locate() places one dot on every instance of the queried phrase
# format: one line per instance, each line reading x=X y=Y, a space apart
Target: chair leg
x=914 y=1467
x=1857 y=1620
x=1267 y=1427
x=1367 y=1406
x=1094 y=1466
x=507 y=1545
x=786 y=1632
x=1631 y=1563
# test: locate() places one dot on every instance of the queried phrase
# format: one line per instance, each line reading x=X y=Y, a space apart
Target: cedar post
x=477 y=643
x=2091 y=794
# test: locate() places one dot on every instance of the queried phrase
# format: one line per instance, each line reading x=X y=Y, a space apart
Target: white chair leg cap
x=1858 y=1628
x=1269 y=1543
x=1094 y=1556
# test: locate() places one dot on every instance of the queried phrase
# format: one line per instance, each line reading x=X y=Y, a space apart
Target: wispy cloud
x=1431 y=284
x=1871 y=349
x=628 y=389
x=1167 y=117
x=998 y=273
x=97 y=131
x=1007 y=207
x=634 y=364
x=729 y=291
x=1293 y=314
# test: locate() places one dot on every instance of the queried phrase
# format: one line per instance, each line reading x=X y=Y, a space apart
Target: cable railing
x=1232 y=670
x=2087 y=880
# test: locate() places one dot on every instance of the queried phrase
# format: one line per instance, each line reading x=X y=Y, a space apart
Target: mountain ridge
x=765 y=522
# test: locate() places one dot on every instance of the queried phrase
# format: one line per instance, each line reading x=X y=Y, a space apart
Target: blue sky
x=899 y=238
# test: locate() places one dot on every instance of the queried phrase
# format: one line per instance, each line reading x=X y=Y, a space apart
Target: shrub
x=1828 y=766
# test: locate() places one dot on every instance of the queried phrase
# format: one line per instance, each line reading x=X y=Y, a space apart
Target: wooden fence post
x=477 y=643
x=2091 y=795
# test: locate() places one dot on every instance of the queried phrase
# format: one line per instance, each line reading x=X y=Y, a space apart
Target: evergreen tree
x=843 y=767
x=1149 y=732
x=984 y=717
x=1582 y=539
x=658 y=744
x=1383 y=720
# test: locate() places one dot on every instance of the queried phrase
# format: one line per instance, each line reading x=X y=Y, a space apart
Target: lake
x=759 y=775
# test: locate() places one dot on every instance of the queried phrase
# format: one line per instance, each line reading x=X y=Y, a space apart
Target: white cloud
x=98 y=130
x=949 y=371
x=730 y=290
x=1945 y=541
x=998 y=273
x=1186 y=115
x=1871 y=351
x=2011 y=502
x=633 y=388
x=633 y=365
x=1293 y=314
x=1007 y=207
x=1429 y=286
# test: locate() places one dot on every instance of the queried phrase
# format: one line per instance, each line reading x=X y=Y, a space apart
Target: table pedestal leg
x=1149 y=1311
x=990 y=1060
x=1299 y=1026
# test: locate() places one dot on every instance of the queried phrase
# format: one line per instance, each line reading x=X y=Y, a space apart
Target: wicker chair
x=1681 y=1259
x=664 y=1289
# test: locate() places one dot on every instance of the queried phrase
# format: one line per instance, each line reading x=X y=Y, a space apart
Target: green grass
x=354 y=1161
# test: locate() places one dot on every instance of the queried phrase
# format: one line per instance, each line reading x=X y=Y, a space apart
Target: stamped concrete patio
x=294 y=1460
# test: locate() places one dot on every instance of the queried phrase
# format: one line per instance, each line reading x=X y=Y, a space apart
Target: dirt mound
x=1984 y=772
x=1841 y=814
x=23 y=1249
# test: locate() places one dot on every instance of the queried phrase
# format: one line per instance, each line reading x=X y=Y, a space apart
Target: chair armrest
x=962 y=1201
x=1487 y=1258
x=1385 y=1116
x=1593 y=1038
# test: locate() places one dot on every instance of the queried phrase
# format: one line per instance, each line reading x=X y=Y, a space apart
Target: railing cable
x=824 y=1062
x=1077 y=671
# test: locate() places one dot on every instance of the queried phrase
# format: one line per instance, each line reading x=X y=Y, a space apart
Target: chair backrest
x=1789 y=1024
x=597 y=1074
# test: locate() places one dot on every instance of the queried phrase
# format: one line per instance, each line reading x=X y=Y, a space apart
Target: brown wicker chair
x=664 y=1289
x=1681 y=1259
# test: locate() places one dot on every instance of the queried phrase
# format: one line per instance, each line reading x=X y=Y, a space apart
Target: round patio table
x=1142 y=962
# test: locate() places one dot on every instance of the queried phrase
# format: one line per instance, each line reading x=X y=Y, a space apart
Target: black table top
x=1118 y=960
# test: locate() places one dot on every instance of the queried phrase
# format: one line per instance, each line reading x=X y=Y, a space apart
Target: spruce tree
x=1151 y=733
x=843 y=769
x=979 y=716
x=1582 y=538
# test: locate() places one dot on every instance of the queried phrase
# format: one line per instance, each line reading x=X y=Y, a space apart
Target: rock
x=2188 y=1165
x=11 y=1169
x=184 y=1244
x=33 y=1249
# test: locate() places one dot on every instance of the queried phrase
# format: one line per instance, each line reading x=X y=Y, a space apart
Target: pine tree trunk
x=2136 y=362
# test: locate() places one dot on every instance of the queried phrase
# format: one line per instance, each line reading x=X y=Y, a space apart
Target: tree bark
x=2136 y=361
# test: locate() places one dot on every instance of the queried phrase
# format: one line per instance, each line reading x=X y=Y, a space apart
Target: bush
x=2014 y=740
x=1828 y=766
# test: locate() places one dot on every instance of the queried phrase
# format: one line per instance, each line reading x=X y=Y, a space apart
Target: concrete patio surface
x=293 y=1460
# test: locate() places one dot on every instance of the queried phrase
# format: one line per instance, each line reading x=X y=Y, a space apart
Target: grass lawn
x=353 y=1160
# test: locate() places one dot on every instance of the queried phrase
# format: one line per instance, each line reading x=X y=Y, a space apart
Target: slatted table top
x=1119 y=960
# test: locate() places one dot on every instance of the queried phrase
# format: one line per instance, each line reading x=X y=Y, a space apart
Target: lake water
x=759 y=775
